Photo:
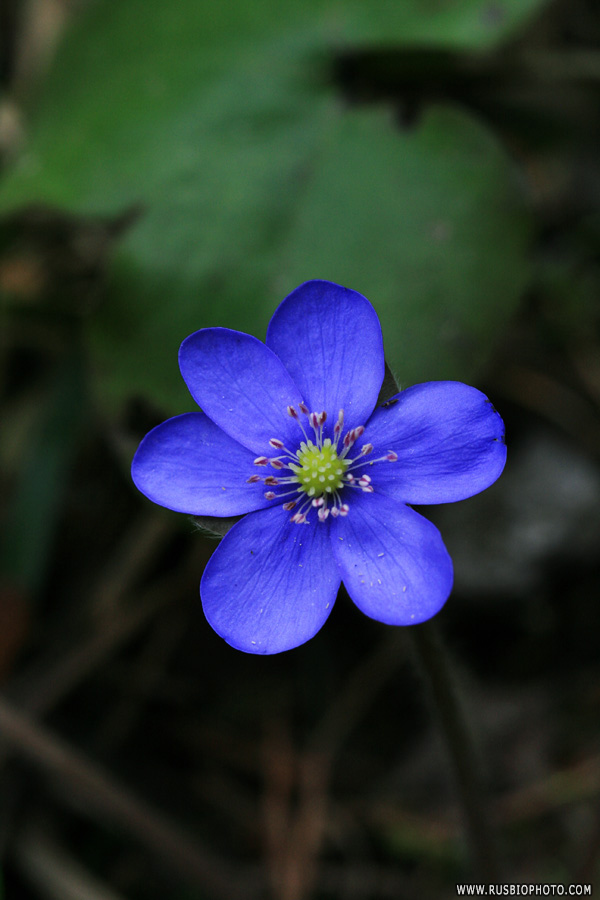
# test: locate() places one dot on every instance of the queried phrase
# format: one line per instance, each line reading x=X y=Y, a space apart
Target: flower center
x=316 y=475
x=320 y=470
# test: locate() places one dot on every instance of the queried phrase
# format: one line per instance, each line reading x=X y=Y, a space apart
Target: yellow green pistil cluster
x=320 y=470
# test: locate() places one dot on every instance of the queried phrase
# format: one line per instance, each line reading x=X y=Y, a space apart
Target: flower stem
x=436 y=670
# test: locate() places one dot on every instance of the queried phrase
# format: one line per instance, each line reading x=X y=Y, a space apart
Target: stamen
x=261 y=461
x=274 y=442
x=276 y=463
x=391 y=456
x=352 y=436
x=322 y=514
x=270 y=479
x=365 y=449
x=344 y=509
x=292 y=412
x=303 y=408
x=253 y=479
x=295 y=492
x=290 y=504
x=270 y=495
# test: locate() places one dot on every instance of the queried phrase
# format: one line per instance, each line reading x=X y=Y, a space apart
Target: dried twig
x=294 y=834
x=359 y=690
x=143 y=679
x=105 y=798
x=41 y=688
x=139 y=546
x=53 y=872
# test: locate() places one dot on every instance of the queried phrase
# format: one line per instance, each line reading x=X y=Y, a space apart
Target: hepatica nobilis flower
x=290 y=435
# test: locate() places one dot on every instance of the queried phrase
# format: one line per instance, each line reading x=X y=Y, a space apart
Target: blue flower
x=290 y=435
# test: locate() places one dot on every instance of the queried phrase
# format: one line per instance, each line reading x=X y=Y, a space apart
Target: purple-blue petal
x=393 y=561
x=189 y=465
x=449 y=440
x=270 y=584
x=241 y=385
x=329 y=339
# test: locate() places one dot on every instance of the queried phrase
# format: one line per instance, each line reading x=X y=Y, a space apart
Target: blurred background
x=168 y=166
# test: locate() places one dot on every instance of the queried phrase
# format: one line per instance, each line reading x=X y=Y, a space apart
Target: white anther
x=318 y=501
x=270 y=495
x=292 y=412
x=322 y=514
x=366 y=448
x=275 y=442
x=276 y=463
x=391 y=456
x=303 y=408
x=253 y=479
x=344 y=509
x=261 y=461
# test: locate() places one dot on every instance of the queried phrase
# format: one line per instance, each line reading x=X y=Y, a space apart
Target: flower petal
x=188 y=464
x=270 y=585
x=329 y=339
x=241 y=385
x=393 y=561
x=449 y=440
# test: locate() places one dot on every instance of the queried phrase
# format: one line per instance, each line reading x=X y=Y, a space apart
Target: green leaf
x=34 y=506
x=448 y=23
x=221 y=121
x=434 y=235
